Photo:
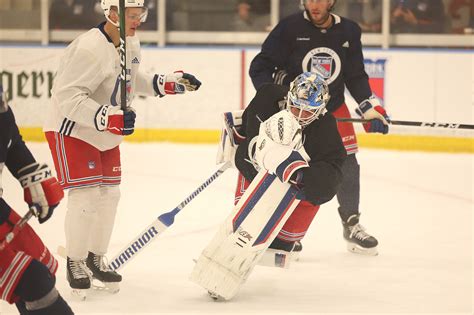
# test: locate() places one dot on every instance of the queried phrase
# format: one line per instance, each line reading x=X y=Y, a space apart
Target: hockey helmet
x=309 y=94
x=108 y=4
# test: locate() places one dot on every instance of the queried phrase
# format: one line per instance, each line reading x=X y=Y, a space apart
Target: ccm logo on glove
x=113 y=119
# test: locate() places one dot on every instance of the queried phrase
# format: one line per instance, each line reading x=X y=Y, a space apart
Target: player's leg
x=37 y=292
x=348 y=195
x=79 y=169
x=26 y=270
x=104 y=221
x=283 y=249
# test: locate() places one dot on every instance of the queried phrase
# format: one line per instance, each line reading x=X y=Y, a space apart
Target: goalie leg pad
x=245 y=235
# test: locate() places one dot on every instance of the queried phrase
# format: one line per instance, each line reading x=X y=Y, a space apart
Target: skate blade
x=354 y=248
x=109 y=287
x=79 y=294
x=276 y=258
x=215 y=297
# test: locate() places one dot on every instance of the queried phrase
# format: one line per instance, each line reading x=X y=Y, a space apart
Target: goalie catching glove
x=175 y=83
x=40 y=189
x=371 y=109
x=113 y=119
x=278 y=147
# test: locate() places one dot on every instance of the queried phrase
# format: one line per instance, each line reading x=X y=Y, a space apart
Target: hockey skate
x=359 y=241
x=78 y=276
x=281 y=254
x=108 y=279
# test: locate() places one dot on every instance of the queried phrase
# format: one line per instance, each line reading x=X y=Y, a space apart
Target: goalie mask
x=308 y=97
x=108 y=4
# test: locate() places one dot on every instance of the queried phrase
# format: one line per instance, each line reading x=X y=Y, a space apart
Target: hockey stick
x=123 y=57
x=158 y=226
x=412 y=123
x=18 y=226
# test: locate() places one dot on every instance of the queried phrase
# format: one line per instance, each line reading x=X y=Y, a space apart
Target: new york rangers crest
x=376 y=72
x=322 y=65
x=324 y=61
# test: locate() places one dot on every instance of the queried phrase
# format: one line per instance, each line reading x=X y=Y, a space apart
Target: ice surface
x=418 y=205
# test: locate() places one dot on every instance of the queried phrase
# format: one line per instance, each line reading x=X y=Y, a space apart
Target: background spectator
x=418 y=16
x=74 y=14
x=252 y=15
x=461 y=13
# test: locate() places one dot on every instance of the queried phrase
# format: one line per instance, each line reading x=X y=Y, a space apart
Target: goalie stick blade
x=225 y=264
x=143 y=239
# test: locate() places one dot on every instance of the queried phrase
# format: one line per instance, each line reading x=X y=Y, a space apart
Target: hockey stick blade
x=158 y=226
x=412 y=123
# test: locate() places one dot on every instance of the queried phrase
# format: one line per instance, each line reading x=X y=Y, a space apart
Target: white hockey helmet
x=309 y=94
x=108 y=4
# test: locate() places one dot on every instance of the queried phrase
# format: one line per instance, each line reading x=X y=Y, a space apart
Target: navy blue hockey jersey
x=295 y=45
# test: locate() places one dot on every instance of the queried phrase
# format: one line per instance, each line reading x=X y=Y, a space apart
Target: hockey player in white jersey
x=84 y=128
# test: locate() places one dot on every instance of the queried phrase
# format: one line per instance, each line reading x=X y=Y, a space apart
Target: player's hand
x=371 y=109
x=277 y=145
x=113 y=119
x=40 y=189
x=175 y=83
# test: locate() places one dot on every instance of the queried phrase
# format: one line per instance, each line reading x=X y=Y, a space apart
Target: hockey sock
x=298 y=223
x=104 y=221
x=80 y=215
x=37 y=291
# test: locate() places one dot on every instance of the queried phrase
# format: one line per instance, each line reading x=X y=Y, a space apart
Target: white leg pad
x=228 y=260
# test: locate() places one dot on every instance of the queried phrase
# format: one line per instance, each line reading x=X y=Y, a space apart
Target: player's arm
x=40 y=187
x=80 y=77
x=355 y=77
x=160 y=85
x=274 y=53
x=357 y=82
x=322 y=179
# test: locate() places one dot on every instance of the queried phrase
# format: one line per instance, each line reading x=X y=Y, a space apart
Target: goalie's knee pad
x=38 y=292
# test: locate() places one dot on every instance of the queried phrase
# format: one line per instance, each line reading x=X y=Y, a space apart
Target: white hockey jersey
x=87 y=78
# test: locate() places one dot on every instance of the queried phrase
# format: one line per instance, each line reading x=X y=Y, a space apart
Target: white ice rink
x=418 y=205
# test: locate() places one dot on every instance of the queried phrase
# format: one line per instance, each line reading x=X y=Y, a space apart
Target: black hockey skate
x=101 y=272
x=359 y=241
x=296 y=251
x=78 y=276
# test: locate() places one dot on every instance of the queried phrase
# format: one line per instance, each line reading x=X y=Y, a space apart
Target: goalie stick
x=158 y=226
x=412 y=123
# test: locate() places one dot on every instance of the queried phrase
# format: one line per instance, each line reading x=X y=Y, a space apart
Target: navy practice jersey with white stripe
x=13 y=151
x=321 y=140
x=295 y=45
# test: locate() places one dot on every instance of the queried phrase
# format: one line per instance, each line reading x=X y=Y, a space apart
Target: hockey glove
x=231 y=137
x=41 y=189
x=277 y=146
x=113 y=119
x=175 y=83
x=371 y=109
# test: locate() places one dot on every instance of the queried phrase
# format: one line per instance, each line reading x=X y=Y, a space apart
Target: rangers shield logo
x=322 y=65
x=376 y=71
